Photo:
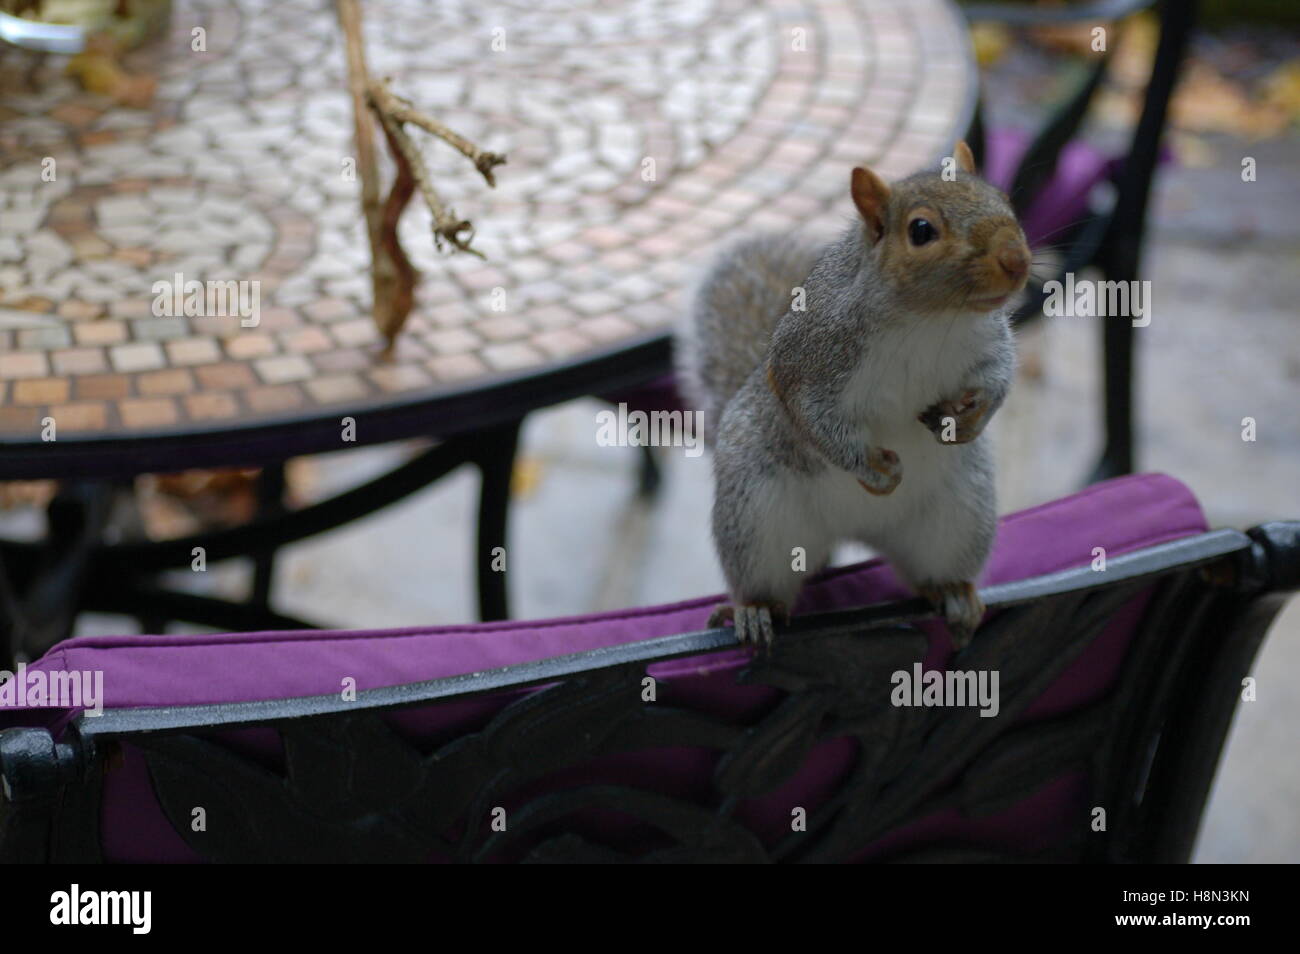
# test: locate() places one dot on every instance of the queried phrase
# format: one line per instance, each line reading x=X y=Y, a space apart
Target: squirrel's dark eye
x=921 y=231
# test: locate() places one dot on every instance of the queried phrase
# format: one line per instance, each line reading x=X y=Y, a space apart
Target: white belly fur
x=906 y=370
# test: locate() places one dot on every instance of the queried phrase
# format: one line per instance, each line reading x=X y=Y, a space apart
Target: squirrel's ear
x=870 y=195
x=965 y=158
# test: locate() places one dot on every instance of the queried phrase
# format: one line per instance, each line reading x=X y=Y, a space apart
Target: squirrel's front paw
x=957 y=421
x=753 y=621
x=884 y=471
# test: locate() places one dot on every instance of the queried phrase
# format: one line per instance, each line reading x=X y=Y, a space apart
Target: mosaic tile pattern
x=751 y=111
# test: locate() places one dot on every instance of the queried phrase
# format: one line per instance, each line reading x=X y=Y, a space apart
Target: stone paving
x=638 y=133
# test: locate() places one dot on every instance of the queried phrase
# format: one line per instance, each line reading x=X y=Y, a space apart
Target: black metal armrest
x=1276 y=562
x=1022 y=15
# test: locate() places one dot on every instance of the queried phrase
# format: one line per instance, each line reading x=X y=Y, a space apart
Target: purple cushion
x=1063 y=201
x=1121 y=515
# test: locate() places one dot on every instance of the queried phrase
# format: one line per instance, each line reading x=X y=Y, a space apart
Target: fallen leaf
x=526 y=477
x=991 y=41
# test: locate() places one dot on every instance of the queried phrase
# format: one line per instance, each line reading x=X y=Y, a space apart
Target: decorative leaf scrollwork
x=353 y=789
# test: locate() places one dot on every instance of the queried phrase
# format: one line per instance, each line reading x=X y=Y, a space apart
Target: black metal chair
x=1109 y=238
x=589 y=770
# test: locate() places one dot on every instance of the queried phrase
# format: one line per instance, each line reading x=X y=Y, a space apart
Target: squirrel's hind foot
x=753 y=621
x=961 y=607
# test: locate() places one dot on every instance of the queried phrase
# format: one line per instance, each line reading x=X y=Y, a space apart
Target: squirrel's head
x=943 y=245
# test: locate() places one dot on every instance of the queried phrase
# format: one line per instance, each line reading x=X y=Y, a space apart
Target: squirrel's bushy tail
x=746 y=291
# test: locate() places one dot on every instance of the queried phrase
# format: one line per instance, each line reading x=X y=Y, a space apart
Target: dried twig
x=446 y=225
x=403 y=111
x=403 y=290
x=393 y=276
x=383 y=269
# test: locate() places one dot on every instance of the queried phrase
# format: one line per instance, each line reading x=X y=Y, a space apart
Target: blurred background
x=1224 y=344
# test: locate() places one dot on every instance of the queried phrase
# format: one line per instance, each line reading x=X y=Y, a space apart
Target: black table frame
x=45 y=584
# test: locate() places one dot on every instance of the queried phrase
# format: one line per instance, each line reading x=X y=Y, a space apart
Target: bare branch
x=446 y=225
x=392 y=274
x=403 y=111
x=393 y=318
x=358 y=83
x=384 y=267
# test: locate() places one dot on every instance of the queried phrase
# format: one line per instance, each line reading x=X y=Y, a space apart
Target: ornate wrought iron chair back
x=801 y=756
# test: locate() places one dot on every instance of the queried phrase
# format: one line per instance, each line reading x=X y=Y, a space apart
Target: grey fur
x=737 y=305
x=800 y=404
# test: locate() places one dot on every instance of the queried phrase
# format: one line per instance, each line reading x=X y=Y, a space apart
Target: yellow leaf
x=527 y=476
x=1282 y=89
x=990 y=41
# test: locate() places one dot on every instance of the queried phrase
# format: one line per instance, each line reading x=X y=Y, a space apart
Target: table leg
x=11 y=616
x=44 y=611
x=74 y=569
x=495 y=457
x=270 y=503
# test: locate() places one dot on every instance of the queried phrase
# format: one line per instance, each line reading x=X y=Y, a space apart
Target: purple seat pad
x=1063 y=201
x=1121 y=515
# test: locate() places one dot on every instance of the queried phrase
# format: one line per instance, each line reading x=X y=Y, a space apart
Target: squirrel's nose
x=1014 y=260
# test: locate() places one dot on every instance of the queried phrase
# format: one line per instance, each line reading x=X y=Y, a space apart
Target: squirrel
x=858 y=415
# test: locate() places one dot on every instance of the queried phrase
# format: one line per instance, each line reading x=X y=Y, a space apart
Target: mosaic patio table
x=639 y=135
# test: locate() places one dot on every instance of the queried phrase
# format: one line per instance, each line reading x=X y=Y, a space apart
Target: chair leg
x=496 y=462
x=1118 y=344
x=1121 y=250
x=976 y=135
x=1118 y=369
x=650 y=477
